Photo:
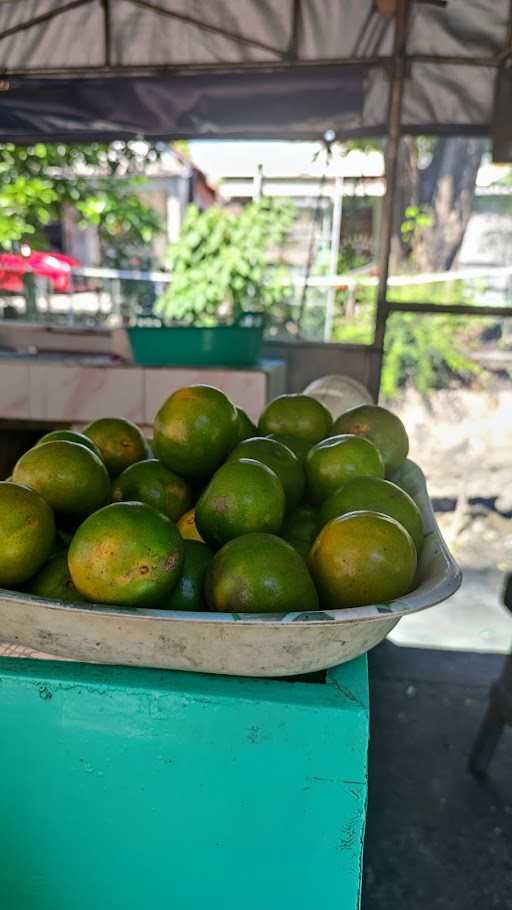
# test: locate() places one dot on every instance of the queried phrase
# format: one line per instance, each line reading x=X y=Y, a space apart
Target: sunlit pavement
x=472 y=620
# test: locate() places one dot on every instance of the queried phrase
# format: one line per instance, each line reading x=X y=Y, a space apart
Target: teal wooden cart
x=126 y=789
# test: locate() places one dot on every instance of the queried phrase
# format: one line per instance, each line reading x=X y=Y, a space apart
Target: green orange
x=194 y=431
x=242 y=497
x=151 y=482
x=259 y=573
x=300 y=447
x=381 y=427
x=70 y=477
x=362 y=558
x=120 y=442
x=280 y=459
x=301 y=527
x=189 y=592
x=375 y=494
x=334 y=461
x=54 y=582
x=127 y=554
x=70 y=436
x=187 y=526
x=296 y=415
x=27 y=533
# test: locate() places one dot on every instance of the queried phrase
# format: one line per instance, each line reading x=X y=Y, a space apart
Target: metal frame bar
x=385 y=61
x=393 y=143
x=188 y=68
x=503 y=59
x=107 y=31
x=291 y=52
x=453 y=60
x=448 y=308
x=506 y=52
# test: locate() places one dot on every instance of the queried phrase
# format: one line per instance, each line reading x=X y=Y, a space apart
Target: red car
x=55 y=266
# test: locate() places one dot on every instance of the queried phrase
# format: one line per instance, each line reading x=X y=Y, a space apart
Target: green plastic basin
x=234 y=345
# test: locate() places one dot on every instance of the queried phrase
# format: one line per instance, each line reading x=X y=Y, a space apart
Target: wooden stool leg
x=487 y=740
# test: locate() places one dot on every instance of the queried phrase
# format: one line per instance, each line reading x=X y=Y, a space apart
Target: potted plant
x=223 y=287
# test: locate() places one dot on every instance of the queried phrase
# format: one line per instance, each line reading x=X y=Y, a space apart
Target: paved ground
x=473 y=620
x=436 y=838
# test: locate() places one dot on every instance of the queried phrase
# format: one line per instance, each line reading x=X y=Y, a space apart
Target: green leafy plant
x=425 y=350
x=416 y=219
x=220 y=265
x=99 y=181
x=428 y=351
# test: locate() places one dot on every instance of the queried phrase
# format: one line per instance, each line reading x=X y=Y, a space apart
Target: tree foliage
x=220 y=264
x=99 y=181
x=427 y=350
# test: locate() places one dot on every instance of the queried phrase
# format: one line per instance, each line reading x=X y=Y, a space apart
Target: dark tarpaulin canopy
x=83 y=70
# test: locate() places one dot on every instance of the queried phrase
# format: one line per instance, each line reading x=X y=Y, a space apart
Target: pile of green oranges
x=214 y=513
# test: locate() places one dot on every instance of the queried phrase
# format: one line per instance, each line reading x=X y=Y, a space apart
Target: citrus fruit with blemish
x=126 y=554
x=335 y=460
x=362 y=558
x=69 y=476
x=296 y=415
x=378 y=495
x=120 y=442
x=27 y=533
x=151 y=482
x=194 y=430
x=259 y=573
x=280 y=459
x=242 y=497
x=381 y=427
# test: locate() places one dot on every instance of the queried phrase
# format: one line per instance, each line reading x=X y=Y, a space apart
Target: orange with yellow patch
x=126 y=554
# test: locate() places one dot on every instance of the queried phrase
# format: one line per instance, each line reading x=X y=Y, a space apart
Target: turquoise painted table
x=125 y=789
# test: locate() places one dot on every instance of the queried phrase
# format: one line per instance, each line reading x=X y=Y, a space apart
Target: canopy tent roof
x=291 y=69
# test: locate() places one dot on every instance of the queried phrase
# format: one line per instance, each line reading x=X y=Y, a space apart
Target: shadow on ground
x=435 y=837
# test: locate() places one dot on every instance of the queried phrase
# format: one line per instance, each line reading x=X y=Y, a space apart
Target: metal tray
x=231 y=643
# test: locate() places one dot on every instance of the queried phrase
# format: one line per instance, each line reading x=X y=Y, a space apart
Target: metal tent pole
x=388 y=208
x=337 y=211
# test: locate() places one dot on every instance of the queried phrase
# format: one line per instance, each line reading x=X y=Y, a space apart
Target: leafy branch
x=99 y=181
x=220 y=265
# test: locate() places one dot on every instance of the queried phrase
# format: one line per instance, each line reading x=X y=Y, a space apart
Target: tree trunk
x=447 y=188
x=406 y=195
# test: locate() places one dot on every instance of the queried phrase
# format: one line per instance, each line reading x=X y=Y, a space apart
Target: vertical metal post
x=392 y=148
x=337 y=212
x=257 y=186
x=107 y=31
